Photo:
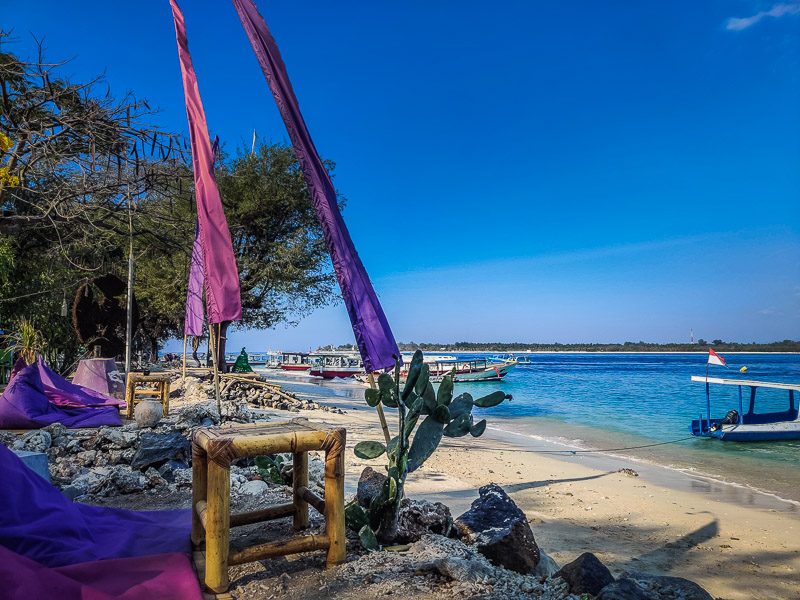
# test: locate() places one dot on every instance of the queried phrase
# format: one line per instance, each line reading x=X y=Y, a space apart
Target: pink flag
x=223 y=299
x=715 y=359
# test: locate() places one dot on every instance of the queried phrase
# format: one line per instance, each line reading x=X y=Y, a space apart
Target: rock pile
x=242 y=394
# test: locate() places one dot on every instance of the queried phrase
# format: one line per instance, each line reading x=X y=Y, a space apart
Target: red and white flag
x=715 y=359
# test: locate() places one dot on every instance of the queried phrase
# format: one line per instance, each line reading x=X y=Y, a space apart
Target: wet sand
x=736 y=542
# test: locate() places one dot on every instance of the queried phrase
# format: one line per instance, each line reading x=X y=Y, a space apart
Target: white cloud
x=779 y=10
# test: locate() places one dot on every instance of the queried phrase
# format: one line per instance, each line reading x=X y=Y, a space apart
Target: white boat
x=331 y=365
x=745 y=424
x=478 y=369
x=295 y=361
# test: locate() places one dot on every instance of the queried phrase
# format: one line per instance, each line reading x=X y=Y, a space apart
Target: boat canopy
x=747 y=382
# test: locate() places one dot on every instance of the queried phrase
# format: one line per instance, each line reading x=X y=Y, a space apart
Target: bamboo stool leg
x=199 y=492
x=300 y=478
x=334 y=507
x=129 y=395
x=165 y=396
x=218 y=527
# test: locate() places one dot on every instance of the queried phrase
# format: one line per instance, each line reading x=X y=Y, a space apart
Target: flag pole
x=381 y=416
x=185 y=338
x=708 y=401
x=214 y=352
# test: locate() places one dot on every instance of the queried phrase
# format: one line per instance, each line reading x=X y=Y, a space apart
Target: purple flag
x=223 y=299
x=193 y=323
x=373 y=335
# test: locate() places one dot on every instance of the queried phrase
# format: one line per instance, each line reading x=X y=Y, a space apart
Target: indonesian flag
x=715 y=359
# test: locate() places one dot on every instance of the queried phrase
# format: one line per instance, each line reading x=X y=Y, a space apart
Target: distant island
x=700 y=346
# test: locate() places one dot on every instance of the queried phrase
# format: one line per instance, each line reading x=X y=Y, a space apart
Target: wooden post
x=218 y=527
x=199 y=492
x=130 y=386
x=381 y=416
x=300 y=479
x=165 y=396
x=334 y=506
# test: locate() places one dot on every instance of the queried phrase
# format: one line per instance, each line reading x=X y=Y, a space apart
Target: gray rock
x=418 y=518
x=148 y=413
x=499 y=530
x=157 y=448
x=254 y=488
x=623 y=589
x=86 y=458
x=636 y=585
x=123 y=480
x=167 y=470
x=546 y=566
x=37 y=440
x=56 y=431
x=460 y=569
x=197 y=415
x=119 y=438
x=585 y=575
x=369 y=486
x=90 y=482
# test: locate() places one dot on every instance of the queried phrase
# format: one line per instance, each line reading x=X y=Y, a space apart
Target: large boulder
x=499 y=530
x=636 y=585
x=418 y=518
x=585 y=575
x=369 y=486
x=157 y=448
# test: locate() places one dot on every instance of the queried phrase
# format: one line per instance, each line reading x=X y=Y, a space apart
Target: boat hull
x=334 y=373
x=295 y=367
x=492 y=373
x=747 y=433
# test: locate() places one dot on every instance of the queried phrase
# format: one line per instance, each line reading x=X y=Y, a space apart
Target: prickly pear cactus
x=407 y=451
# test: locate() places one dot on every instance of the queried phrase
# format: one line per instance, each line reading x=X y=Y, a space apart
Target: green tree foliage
x=85 y=177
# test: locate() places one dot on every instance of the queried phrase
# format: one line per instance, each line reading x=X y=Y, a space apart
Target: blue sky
x=515 y=171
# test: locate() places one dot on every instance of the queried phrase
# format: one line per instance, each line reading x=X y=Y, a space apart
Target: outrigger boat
x=468 y=370
x=329 y=366
x=741 y=426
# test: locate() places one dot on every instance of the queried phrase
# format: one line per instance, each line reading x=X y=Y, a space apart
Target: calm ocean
x=612 y=401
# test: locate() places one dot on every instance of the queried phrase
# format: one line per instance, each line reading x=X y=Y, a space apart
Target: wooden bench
x=161 y=393
x=213 y=449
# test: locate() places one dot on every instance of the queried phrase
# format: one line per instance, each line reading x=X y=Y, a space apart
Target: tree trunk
x=220 y=338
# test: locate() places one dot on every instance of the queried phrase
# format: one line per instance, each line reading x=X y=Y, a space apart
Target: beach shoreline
x=737 y=542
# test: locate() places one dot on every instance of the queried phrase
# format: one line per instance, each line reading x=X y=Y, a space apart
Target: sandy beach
x=736 y=542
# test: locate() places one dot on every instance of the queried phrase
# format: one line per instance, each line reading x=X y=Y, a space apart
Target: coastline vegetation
x=509 y=347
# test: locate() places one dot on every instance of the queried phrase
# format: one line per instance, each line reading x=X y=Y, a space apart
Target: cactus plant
x=407 y=451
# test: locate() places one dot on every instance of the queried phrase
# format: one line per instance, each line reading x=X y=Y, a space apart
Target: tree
x=84 y=179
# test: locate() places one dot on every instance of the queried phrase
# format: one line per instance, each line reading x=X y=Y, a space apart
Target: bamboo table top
x=242 y=440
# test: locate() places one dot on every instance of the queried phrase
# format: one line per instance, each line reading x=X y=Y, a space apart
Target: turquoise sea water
x=607 y=402
x=614 y=401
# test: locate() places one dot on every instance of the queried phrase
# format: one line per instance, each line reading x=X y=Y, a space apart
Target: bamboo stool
x=161 y=392
x=213 y=449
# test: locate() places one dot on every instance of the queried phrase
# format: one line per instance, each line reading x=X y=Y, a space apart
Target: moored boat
x=472 y=370
x=334 y=365
x=295 y=361
x=745 y=424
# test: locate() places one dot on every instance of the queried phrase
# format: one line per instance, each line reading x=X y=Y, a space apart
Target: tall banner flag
x=373 y=335
x=223 y=299
x=193 y=323
x=715 y=359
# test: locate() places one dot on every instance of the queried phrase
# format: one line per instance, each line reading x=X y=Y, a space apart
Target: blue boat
x=749 y=426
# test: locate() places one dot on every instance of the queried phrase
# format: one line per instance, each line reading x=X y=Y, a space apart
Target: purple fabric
x=38 y=397
x=373 y=335
x=40 y=523
x=163 y=576
x=223 y=299
x=61 y=392
x=193 y=324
